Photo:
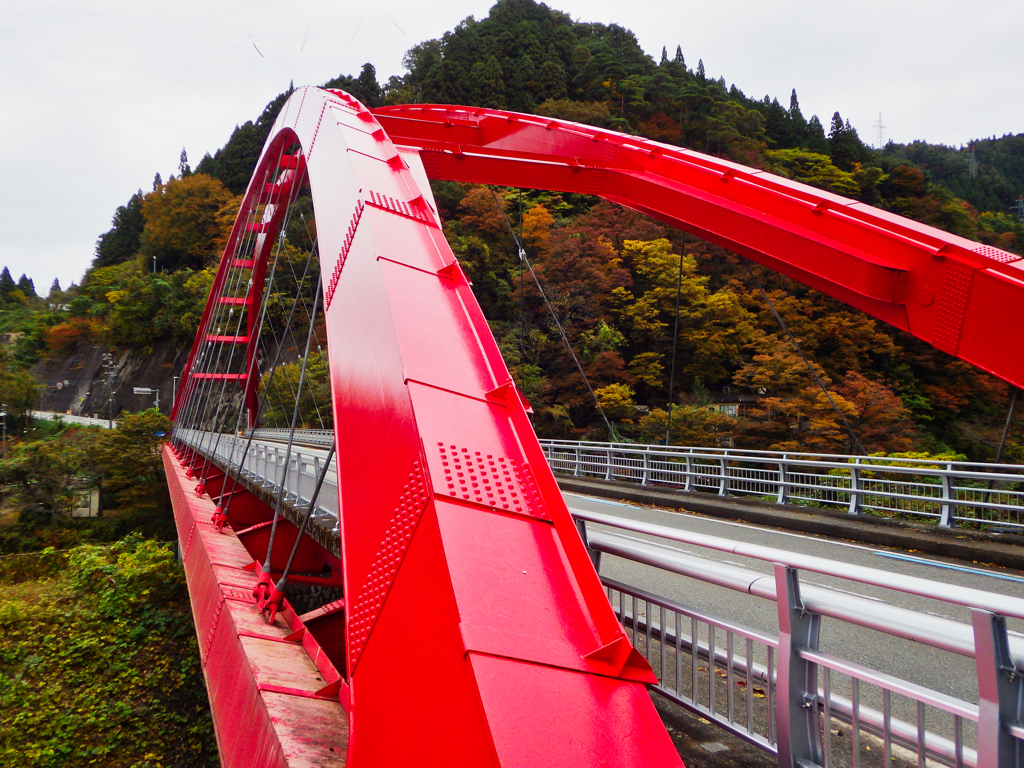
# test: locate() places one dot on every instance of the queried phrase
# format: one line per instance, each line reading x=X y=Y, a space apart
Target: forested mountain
x=612 y=274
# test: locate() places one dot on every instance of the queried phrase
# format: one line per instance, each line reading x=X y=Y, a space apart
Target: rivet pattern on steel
x=495 y=481
x=389 y=557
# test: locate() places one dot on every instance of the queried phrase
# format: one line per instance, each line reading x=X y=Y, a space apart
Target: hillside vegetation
x=98 y=660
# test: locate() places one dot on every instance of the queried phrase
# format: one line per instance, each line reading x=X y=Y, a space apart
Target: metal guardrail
x=72 y=419
x=309 y=437
x=780 y=692
x=948 y=492
x=268 y=465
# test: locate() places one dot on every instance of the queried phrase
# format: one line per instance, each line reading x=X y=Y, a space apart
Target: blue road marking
x=965 y=569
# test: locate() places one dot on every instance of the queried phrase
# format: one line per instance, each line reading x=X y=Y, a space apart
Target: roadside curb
x=1006 y=550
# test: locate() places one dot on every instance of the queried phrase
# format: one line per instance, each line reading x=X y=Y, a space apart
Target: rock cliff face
x=86 y=384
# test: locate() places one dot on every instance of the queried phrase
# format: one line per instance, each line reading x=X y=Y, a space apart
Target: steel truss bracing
x=466 y=624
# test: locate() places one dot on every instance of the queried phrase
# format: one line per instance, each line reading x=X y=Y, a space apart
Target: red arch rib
x=962 y=297
x=478 y=632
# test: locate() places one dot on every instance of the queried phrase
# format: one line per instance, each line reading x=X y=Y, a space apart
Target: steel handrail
x=946 y=491
x=845 y=460
x=263 y=467
x=911 y=585
x=971 y=640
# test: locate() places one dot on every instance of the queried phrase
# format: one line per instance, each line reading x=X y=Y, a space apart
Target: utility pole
x=3 y=415
x=108 y=367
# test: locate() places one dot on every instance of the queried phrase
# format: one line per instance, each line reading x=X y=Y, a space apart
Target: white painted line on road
x=950 y=566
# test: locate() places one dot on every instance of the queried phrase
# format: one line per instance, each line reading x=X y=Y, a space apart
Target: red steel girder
x=265 y=682
x=962 y=297
x=478 y=632
x=265 y=199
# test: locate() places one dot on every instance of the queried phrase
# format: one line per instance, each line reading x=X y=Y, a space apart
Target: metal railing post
x=608 y=464
x=723 y=485
x=946 y=510
x=595 y=556
x=647 y=468
x=1000 y=693
x=796 y=710
x=579 y=463
x=688 y=485
x=856 y=490
x=783 y=496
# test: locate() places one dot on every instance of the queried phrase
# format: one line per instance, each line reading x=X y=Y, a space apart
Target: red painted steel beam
x=266 y=201
x=962 y=297
x=477 y=632
x=264 y=682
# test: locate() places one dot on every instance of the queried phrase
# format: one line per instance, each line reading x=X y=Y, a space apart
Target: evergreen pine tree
x=816 y=141
x=836 y=128
x=121 y=242
x=700 y=69
x=551 y=80
x=26 y=286
x=845 y=144
x=794 y=105
x=797 y=123
x=664 y=55
x=679 y=56
x=491 y=84
x=7 y=284
x=157 y=182
x=368 y=89
x=55 y=288
x=183 y=167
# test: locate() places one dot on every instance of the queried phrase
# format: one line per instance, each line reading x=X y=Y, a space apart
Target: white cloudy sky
x=96 y=96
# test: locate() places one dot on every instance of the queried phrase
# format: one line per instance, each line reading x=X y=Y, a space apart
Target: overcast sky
x=97 y=96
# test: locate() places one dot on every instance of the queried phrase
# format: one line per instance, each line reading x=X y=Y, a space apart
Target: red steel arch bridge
x=452 y=613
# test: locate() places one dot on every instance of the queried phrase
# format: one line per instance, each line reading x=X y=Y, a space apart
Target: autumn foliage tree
x=184 y=222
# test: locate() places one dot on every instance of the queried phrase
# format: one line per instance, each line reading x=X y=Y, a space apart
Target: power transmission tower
x=973 y=163
x=880 y=136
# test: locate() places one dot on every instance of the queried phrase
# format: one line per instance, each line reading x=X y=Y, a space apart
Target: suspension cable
x=251 y=369
x=291 y=435
x=266 y=389
x=215 y=432
x=554 y=317
x=275 y=600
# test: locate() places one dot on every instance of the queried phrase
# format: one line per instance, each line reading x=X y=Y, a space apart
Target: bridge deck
x=266 y=466
x=261 y=678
